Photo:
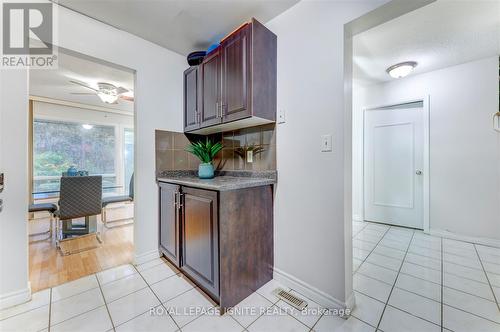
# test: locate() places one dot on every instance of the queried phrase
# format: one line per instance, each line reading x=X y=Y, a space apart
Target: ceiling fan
x=107 y=92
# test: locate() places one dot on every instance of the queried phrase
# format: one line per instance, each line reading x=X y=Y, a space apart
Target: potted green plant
x=206 y=152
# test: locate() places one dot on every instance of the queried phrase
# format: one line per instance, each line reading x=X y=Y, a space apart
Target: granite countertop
x=223 y=181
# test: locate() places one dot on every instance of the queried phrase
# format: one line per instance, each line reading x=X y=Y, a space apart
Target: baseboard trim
x=357 y=217
x=14 y=298
x=473 y=239
x=146 y=257
x=311 y=292
x=351 y=302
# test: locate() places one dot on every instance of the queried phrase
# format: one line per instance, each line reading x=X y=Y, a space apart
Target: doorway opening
x=81 y=127
x=397 y=258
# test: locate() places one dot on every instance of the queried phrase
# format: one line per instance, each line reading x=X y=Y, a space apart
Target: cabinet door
x=236 y=75
x=191 y=119
x=200 y=242
x=169 y=222
x=211 y=90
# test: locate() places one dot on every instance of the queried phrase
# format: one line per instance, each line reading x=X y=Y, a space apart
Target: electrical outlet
x=326 y=143
x=250 y=156
x=281 y=116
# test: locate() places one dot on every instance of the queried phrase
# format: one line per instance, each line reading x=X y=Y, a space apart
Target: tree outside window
x=60 y=145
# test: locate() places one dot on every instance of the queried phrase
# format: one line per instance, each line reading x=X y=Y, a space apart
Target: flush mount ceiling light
x=87 y=126
x=402 y=69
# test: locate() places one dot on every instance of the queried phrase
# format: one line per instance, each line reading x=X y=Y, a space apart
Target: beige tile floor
x=404 y=280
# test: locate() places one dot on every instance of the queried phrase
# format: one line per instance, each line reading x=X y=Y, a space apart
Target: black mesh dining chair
x=50 y=208
x=117 y=199
x=80 y=197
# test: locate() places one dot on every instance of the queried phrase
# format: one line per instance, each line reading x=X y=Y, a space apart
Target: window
x=128 y=157
x=60 y=145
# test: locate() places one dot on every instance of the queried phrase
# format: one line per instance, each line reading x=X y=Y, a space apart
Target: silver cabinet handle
x=418 y=172
x=217 y=109
x=179 y=199
x=1 y=205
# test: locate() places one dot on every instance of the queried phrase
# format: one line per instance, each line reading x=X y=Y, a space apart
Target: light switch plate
x=281 y=116
x=326 y=143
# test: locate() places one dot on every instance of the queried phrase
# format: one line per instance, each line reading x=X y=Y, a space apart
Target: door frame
x=380 y=15
x=426 y=151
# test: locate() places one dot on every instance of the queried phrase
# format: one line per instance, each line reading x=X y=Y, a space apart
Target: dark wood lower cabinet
x=225 y=242
x=170 y=222
x=246 y=245
x=200 y=238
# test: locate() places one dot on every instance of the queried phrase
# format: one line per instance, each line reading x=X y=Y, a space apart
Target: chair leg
x=103 y=216
x=57 y=221
x=49 y=232
x=107 y=224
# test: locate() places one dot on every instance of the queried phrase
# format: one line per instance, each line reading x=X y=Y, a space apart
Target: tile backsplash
x=171 y=154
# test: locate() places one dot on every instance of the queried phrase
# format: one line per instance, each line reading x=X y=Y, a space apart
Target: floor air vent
x=291 y=299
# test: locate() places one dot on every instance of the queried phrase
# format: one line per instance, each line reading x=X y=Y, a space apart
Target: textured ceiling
x=179 y=25
x=439 y=35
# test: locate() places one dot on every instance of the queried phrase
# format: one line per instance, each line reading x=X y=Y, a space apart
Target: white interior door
x=393 y=166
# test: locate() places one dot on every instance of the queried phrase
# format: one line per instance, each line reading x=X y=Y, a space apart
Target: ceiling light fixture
x=402 y=69
x=108 y=96
x=87 y=126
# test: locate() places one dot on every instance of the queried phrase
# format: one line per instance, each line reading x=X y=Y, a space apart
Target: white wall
x=14 y=287
x=158 y=104
x=309 y=205
x=464 y=149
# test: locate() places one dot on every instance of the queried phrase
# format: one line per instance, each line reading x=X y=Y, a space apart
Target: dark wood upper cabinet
x=235 y=76
x=238 y=81
x=200 y=238
x=170 y=222
x=211 y=90
x=191 y=99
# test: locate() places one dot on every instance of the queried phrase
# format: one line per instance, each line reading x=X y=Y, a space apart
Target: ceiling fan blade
x=84 y=85
x=83 y=93
x=120 y=90
x=127 y=98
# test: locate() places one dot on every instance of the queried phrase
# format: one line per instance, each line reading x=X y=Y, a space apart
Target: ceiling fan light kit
x=107 y=97
x=107 y=92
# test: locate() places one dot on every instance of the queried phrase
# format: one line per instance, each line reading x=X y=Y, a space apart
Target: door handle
x=1 y=205
x=418 y=172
